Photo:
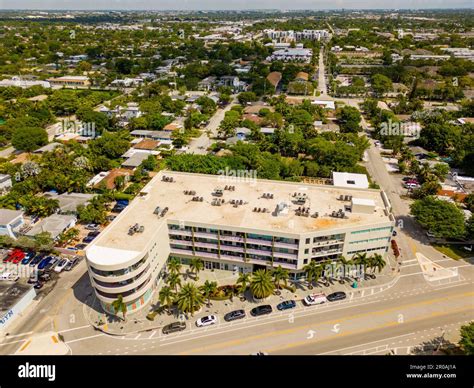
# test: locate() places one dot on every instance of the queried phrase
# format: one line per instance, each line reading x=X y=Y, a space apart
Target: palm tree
x=208 y=288
x=261 y=284
x=189 y=299
x=166 y=297
x=344 y=262
x=244 y=281
x=120 y=306
x=313 y=271
x=378 y=262
x=196 y=265
x=174 y=265
x=174 y=281
x=280 y=275
x=362 y=259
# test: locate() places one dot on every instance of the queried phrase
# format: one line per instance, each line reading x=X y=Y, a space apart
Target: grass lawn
x=456 y=252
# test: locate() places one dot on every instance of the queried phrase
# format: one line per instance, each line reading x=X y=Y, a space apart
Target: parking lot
x=36 y=268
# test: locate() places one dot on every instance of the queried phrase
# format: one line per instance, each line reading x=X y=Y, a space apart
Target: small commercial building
x=15 y=298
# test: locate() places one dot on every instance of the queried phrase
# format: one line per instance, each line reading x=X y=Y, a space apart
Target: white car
x=313 y=299
x=61 y=265
x=208 y=320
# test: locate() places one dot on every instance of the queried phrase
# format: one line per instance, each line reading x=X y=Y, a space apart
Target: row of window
x=367 y=250
x=325 y=238
x=372 y=230
x=370 y=240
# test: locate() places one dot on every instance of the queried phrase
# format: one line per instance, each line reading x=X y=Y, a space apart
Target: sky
x=229 y=5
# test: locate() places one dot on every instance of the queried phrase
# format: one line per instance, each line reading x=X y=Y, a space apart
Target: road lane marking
x=385 y=325
x=25 y=346
x=307 y=326
x=85 y=338
x=75 y=328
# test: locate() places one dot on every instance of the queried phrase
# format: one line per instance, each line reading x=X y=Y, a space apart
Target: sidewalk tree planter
x=119 y=306
x=189 y=299
x=261 y=284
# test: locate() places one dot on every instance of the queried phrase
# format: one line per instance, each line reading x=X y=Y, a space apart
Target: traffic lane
x=302 y=330
x=409 y=333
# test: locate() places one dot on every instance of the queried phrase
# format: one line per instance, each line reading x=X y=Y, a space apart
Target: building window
x=308 y=240
x=306 y=251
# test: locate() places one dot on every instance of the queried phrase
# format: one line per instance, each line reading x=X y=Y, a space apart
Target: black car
x=80 y=247
x=340 y=295
x=233 y=315
x=38 y=285
x=261 y=310
x=174 y=327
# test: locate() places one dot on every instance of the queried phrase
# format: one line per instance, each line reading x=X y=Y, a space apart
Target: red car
x=15 y=256
x=19 y=257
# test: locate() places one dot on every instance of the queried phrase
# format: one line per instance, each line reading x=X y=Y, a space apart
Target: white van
x=313 y=299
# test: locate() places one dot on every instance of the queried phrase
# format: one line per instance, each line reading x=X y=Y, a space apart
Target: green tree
x=467 y=339
x=246 y=97
x=174 y=280
x=261 y=284
x=196 y=265
x=208 y=289
x=381 y=84
x=349 y=119
x=190 y=299
x=313 y=271
x=29 y=138
x=280 y=275
x=243 y=281
x=119 y=306
x=443 y=219
x=166 y=297
x=174 y=265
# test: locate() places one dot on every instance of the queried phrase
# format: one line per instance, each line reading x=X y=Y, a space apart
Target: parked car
x=313 y=299
x=80 y=247
x=234 y=315
x=54 y=261
x=43 y=263
x=208 y=320
x=411 y=185
x=38 y=285
x=36 y=260
x=261 y=310
x=92 y=226
x=339 y=295
x=286 y=305
x=14 y=255
x=20 y=255
x=430 y=234
x=394 y=233
x=174 y=327
x=88 y=239
x=71 y=264
x=61 y=265
x=46 y=277
x=28 y=258
x=467 y=248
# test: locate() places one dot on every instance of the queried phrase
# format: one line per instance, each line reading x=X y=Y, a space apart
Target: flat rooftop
x=11 y=293
x=323 y=199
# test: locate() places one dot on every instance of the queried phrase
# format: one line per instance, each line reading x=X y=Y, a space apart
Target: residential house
x=10 y=222
x=70 y=81
x=5 y=183
x=55 y=224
